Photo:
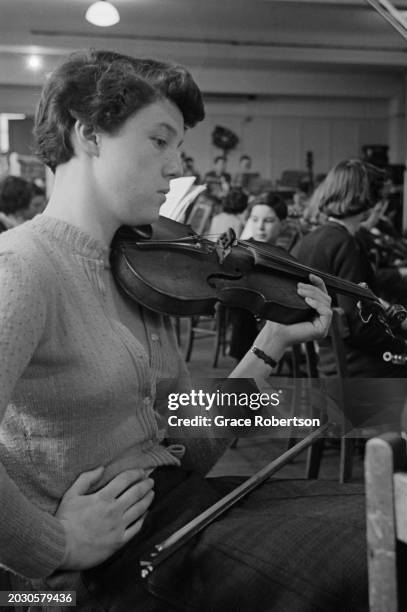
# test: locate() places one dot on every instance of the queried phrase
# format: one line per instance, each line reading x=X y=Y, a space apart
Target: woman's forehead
x=161 y=113
x=263 y=210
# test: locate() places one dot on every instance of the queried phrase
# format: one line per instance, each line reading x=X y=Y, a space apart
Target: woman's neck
x=75 y=200
x=350 y=223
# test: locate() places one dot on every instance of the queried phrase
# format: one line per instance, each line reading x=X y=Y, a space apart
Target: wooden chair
x=297 y=371
x=200 y=216
x=339 y=330
x=214 y=326
x=386 y=514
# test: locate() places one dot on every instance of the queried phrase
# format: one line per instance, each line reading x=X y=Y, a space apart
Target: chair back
x=200 y=216
x=386 y=517
x=339 y=330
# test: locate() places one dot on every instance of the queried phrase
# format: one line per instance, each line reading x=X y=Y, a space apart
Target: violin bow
x=167 y=547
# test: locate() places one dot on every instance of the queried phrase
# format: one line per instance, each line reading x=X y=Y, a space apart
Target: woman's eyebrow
x=171 y=129
x=168 y=127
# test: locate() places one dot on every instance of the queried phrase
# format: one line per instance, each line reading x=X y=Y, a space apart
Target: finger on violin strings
x=318 y=282
x=312 y=291
x=322 y=309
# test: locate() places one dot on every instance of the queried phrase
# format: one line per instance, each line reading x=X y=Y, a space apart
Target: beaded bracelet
x=264 y=357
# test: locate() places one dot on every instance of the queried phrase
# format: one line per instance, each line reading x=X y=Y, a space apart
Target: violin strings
x=137 y=241
x=297 y=266
x=289 y=266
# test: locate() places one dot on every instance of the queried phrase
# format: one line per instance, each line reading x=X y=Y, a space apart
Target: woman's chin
x=146 y=219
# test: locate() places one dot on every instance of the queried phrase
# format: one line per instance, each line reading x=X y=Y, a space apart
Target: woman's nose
x=173 y=168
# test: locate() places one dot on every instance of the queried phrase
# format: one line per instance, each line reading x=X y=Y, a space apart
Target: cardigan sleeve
x=202 y=453
x=32 y=542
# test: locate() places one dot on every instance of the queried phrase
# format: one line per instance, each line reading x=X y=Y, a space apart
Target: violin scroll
x=390 y=316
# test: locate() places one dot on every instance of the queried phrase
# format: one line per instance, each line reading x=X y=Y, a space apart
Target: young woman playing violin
x=86 y=479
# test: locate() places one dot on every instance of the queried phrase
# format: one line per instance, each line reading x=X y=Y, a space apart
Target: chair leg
x=314 y=458
x=225 y=324
x=217 y=345
x=220 y=336
x=296 y=396
x=291 y=442
x=178 y=329
x=346 y=459
x=191 y=337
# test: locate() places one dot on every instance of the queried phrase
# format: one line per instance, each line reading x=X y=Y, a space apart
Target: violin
x=170 y=269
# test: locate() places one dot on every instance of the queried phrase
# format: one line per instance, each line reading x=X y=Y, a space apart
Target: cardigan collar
x=72 y=237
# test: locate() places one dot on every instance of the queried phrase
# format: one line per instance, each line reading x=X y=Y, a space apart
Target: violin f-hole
x=212 y=278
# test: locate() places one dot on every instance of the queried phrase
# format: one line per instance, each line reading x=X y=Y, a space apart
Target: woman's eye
x=160 y=142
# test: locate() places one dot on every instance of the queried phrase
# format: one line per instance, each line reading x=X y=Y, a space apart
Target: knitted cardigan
x=77 y=388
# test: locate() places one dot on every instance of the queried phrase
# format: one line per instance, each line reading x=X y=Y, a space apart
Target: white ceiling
x=268 y=31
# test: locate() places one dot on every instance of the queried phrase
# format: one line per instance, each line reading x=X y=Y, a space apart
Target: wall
x=278 y=133
x=279 y=115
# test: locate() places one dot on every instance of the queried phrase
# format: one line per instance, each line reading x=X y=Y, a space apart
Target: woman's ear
x=85 y=139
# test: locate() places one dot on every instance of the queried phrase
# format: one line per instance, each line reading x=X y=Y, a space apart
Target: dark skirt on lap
x=290 y=546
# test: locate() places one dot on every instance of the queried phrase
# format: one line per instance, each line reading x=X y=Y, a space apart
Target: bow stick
x=166 y=548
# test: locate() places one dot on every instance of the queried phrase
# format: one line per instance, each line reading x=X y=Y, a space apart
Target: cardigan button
x=154 y=337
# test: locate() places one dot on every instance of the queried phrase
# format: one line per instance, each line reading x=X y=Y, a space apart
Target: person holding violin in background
x=387 y=254
x=85 y=475
x=346 y=197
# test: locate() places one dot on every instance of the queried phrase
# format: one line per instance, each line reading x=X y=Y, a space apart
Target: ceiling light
x=102 y=14
x=34 y=62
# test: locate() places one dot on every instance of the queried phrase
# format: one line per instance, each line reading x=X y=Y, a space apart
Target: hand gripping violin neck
x=170 y=269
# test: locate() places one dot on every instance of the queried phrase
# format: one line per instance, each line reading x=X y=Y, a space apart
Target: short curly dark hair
x=15 y=195
x=102 y=89
x=236 y=201
x=273 y=201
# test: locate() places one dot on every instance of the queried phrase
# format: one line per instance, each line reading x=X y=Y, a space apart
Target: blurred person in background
x=346 y=197
x=20 y=201
x=189 y=169
x=232 y=215
x=218 y=180
x=267 y=219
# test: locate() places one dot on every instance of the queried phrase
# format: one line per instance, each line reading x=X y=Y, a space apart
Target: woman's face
x=266 y=226
x=134 y=166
